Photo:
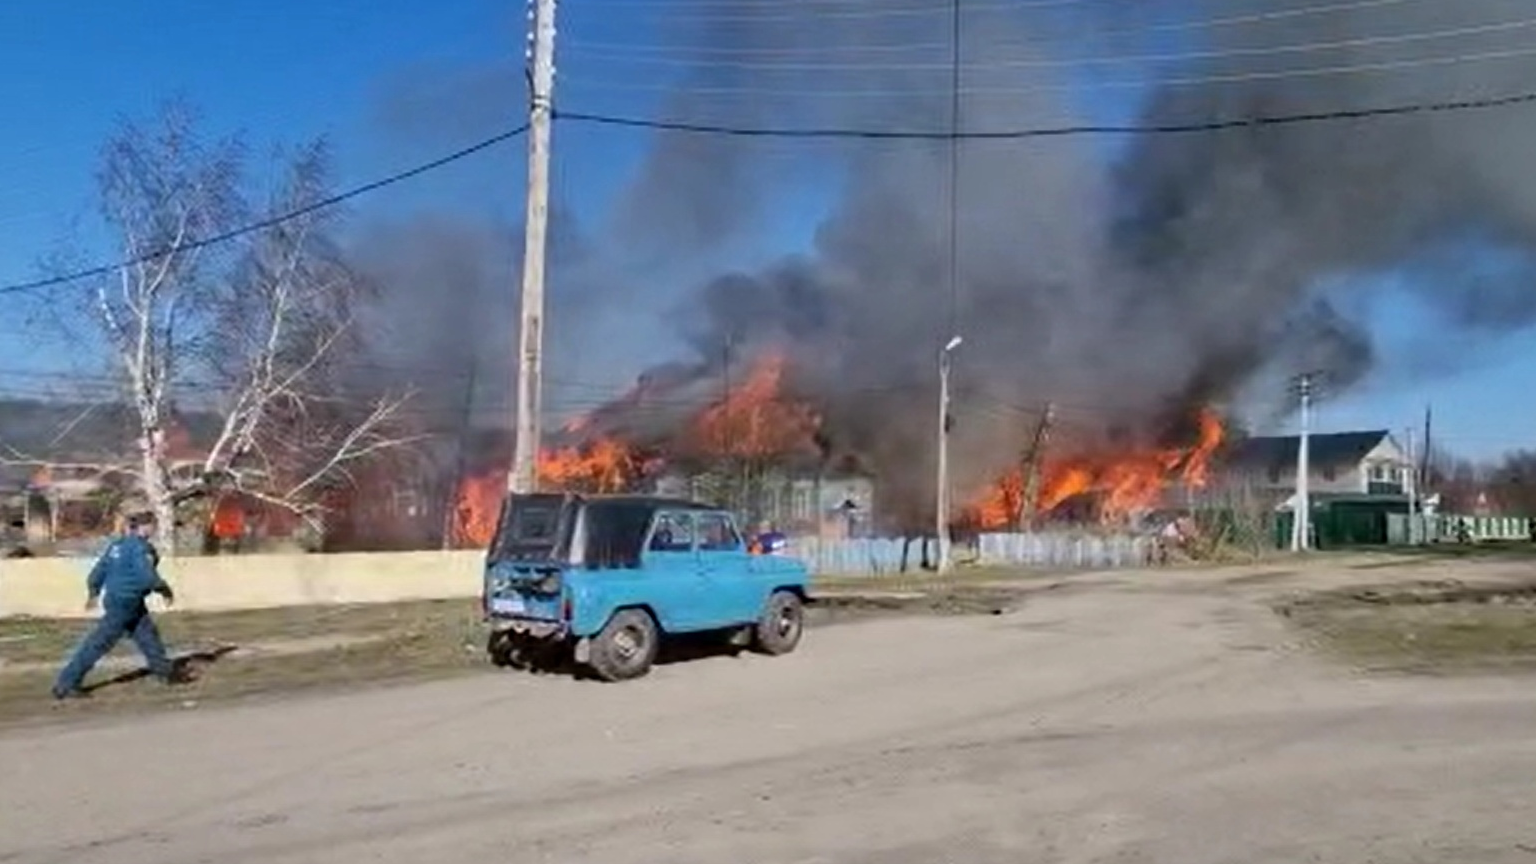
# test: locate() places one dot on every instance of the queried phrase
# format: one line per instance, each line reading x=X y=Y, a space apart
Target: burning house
x=1144 y=282
x=750 y=445
x=758 y=447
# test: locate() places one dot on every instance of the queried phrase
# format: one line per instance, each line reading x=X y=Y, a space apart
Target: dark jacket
x=127 y=571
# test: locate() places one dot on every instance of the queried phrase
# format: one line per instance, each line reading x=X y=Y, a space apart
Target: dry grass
x=407 y=641
x=1429 y=629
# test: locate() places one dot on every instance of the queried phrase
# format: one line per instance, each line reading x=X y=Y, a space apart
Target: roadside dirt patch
x=839 y=608
x=272 y=652
x=1263 y=577
x=1425 y=627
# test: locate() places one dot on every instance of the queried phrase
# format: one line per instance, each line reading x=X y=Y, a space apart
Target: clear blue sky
x=283 y=72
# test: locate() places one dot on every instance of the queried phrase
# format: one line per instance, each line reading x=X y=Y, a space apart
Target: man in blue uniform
x=124 y=577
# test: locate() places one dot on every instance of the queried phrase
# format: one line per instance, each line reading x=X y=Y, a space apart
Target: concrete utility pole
x=530 y=348
x=1301 y=525
x=941 y=522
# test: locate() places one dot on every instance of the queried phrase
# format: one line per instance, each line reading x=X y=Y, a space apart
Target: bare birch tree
x=253 y=328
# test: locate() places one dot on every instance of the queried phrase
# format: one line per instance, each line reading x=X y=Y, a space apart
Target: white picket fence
x=1067 y=549
x=1413 y=530
x=883 y=556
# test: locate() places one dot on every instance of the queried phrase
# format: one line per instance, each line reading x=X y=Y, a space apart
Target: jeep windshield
x=533 y=528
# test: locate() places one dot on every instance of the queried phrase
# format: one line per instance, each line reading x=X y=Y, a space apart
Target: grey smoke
x=1125 y=279
x=1189 y=268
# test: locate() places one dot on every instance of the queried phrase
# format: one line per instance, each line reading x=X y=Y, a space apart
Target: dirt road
x=1152 y=717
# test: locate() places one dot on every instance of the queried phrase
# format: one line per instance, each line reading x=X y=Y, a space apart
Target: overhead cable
x=1375 y=41
x=579 y=45
x=268 y=222
x=1215 y=125
x=1129 y=83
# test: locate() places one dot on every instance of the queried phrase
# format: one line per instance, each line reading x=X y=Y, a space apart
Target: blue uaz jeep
x=609 y=576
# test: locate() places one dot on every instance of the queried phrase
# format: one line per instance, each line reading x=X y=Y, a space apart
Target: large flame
x=476 y=508
x=752 y=420
x=1126 y=481
x=756 y=420
x=603 y=465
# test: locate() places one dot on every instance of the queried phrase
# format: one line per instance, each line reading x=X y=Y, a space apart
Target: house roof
x=1328 y=449
x=66 y=431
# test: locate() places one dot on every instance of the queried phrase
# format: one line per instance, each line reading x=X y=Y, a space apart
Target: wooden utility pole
x=1031 y=491
x=942 y=496
x=541 y=80
x=1424 y=463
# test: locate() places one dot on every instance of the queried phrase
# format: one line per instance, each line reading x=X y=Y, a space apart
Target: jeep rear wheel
x=505 y=652
x=779 y=628
x=626 y=647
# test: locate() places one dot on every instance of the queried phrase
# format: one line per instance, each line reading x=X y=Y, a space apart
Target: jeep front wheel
x=626 y=647
x=779 y=628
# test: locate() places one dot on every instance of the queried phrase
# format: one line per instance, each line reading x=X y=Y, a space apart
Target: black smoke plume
x=1127 y=280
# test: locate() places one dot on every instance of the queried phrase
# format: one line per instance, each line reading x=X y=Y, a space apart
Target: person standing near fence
x=120 y=583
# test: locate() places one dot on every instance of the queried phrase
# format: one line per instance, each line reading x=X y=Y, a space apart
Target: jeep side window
x=674 y=533
x=717 y=533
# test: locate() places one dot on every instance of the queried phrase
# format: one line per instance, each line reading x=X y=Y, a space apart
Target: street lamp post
x=941 y=521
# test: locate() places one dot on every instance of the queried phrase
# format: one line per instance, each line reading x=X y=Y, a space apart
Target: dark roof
x=1279 y=451
x=56 y=429
x=656 y=501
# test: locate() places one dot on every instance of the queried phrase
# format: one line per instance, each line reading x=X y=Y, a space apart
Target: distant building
x=830 y=505
x=1369 y=463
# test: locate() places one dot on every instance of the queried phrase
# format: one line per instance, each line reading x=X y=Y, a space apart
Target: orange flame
x=1128 y=481
x=476 y=508
x=605 y=465
x=755 y=420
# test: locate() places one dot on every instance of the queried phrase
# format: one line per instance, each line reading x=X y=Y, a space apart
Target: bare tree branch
x=260 y=331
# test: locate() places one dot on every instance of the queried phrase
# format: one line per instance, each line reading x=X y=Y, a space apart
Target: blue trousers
x=121 y=616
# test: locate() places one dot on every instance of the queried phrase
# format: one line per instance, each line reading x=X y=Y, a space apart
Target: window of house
x=1330 y=473
x=802 y=504
x=1274 y=474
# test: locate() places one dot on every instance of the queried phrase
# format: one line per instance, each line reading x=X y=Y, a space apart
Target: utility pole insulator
x=541 y=56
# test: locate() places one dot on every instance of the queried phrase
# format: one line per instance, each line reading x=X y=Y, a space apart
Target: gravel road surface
x=1142 y=718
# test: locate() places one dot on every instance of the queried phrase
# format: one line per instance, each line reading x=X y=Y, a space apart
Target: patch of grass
x=1428 y=630
x=31 y=640
x=1505 y=550
x=926 y=581
x=413 y=641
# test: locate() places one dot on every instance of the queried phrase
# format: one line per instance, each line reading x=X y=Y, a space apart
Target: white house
x=1339 y=463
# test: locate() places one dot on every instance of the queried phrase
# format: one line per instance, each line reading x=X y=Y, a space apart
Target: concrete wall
x=55 y=587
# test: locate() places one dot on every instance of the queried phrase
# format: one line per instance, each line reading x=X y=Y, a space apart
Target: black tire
x=626 y=647
x=779 y=628
x=505 y=652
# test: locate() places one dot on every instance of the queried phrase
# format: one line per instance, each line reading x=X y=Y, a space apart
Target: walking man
x=123 y=578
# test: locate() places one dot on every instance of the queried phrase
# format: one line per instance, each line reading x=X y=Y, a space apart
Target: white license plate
x=509 y=606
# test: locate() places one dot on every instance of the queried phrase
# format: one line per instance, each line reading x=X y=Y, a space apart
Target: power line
x=1140 y=29
x=1051 y=131
x=270 y=221
x=1079 y=62
x=776 y=12
x=1129 y=83
x=819 y=7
